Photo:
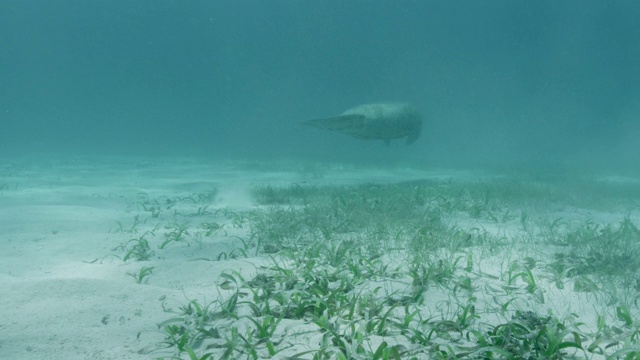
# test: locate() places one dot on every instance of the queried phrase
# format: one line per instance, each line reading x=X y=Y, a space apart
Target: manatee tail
x=348 y=124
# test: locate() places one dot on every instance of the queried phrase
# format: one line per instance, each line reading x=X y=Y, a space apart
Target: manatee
x=383 y=121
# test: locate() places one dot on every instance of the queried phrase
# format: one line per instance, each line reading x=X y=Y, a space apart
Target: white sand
x=64 y=297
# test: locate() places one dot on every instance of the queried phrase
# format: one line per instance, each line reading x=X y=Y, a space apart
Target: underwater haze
x=499 y=83
x=320 y=179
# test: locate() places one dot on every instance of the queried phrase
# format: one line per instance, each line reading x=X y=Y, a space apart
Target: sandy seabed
x=66 y=292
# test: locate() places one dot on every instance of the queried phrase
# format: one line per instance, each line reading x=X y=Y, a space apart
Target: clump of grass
x=138 y=249
x=133 y=229
x=177 y=233
x=142 y=276
x=361 y=264
x=292 y=195
x=601 y=249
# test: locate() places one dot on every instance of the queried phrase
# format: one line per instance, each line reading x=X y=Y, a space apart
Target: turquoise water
x=157 y=183
x=500 y=83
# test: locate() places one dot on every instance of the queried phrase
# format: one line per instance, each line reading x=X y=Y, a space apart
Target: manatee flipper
x=411 y=138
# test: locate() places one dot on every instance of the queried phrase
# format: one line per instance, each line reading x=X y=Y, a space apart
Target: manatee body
x=383 y=121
